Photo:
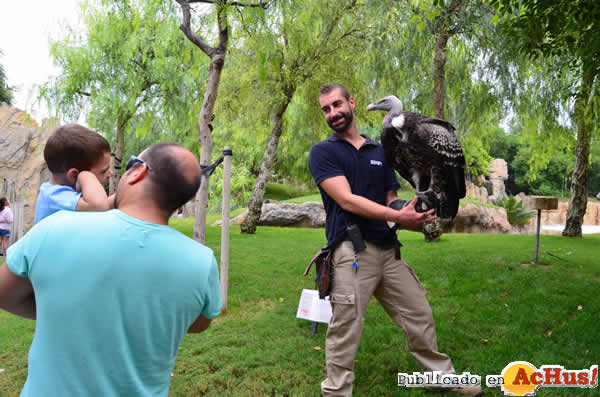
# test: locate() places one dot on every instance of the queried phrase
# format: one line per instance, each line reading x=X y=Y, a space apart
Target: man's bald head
x=175 y=175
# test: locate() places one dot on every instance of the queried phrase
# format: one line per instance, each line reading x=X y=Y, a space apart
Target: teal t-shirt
x=114 y=298
x=53 y=198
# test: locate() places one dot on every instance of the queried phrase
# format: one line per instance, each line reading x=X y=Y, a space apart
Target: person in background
x=6 y=220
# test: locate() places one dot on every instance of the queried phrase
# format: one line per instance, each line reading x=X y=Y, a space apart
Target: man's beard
x=341 y=128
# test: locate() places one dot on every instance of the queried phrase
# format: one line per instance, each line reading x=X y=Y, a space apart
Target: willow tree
x=433 y=60
x=129 y=62
x=566 y=34
x=216 y=56
x=298 y=42
x=434 y=55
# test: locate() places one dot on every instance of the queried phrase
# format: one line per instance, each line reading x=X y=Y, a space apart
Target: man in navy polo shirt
x=357 y=185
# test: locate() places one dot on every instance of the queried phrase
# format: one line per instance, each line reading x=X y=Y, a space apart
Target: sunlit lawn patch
x=491 y=305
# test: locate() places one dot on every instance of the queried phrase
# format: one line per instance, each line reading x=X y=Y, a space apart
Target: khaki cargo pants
x=399 y=291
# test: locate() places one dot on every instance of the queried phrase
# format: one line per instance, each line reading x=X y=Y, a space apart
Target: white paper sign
x=312 y=308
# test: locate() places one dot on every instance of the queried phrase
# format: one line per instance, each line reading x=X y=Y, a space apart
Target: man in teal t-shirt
x=115 y=292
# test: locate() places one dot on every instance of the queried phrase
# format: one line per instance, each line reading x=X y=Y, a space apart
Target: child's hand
x=93 y=197
x=85 y=176
x=78 y=182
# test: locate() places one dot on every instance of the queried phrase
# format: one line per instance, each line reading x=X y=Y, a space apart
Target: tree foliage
x=131 y=63
x=6 y=92
x=403 y=58
x=565 y=34
x=293 y=48
x=132 y=73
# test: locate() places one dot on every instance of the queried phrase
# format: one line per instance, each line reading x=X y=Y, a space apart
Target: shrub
x=517 y=215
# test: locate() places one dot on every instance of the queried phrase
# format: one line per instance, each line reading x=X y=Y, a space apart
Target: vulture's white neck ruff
x=398 y=122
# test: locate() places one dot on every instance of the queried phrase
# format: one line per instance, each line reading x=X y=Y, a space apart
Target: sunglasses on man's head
x=134 y=159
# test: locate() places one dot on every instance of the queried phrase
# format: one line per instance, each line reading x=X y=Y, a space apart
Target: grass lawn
x=279 y=191
x=491 y=305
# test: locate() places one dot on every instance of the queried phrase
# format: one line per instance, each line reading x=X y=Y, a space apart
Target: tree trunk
x=578 y=200
x=117 y=160
x=258 y=193
x=214 y=77
x=433 y=232
x=439 y=74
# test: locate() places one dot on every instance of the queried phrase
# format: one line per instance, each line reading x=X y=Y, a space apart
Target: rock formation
x=22 y=166
x=473 y=219
x=487 y=189
x=498 y=174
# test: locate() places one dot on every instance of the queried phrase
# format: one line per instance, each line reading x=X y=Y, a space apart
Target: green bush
x=517 y=215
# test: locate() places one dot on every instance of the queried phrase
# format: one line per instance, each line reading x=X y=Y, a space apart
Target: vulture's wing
x=394 y=149
x=394 y=153
x=441 y=136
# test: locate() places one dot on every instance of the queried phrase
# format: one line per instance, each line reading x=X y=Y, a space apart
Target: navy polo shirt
x=369 y=176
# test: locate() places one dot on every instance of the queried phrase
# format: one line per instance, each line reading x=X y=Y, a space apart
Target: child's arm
x=111 y=201
x=93 y=196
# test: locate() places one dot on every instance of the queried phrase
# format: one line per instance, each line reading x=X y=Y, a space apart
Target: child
x=6 y=219
x=79 y=161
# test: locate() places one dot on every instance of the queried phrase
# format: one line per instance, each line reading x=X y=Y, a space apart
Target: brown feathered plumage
x=427 y=153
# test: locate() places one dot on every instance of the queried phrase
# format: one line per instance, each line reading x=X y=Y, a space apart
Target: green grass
x=279 y=192
x=304 y=199
x=491 y=306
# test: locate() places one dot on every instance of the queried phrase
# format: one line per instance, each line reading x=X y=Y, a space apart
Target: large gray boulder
x=309 y=214
x=22 y=165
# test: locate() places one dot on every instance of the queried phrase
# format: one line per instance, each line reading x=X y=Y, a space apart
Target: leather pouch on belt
x=322 y=261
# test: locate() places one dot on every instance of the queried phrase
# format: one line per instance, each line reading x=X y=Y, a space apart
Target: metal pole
x=537 y=240
x=227 y=154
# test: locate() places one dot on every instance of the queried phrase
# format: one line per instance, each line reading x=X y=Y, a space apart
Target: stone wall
x=559 y=215
x=22 y=165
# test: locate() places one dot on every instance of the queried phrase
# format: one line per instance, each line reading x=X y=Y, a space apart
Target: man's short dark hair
x=74 y=146
x=327 y=88
x=171 y=186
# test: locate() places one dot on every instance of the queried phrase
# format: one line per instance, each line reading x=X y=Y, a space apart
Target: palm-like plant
x=517 y=215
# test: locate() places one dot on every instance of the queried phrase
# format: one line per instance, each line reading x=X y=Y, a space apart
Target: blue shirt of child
x=53 y=198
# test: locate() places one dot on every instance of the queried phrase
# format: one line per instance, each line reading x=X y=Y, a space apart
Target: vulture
x=427 y=153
